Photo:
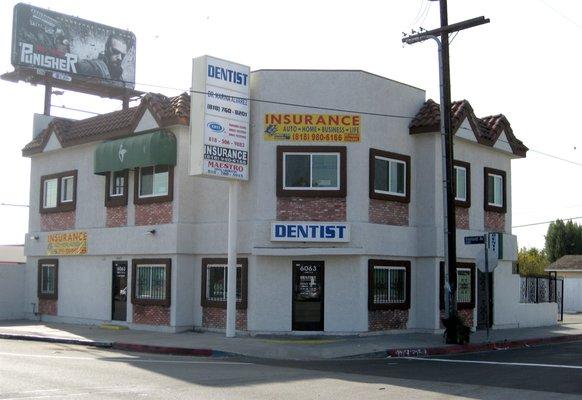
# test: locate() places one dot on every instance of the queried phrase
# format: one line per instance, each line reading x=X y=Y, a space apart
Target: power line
x=544 y=222
x=14 y=205
x=562 y=14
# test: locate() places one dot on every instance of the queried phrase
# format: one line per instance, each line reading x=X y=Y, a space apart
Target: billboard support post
x=232 y=241
x=48 y=92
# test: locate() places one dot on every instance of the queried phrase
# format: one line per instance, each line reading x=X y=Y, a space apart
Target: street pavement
x=278 y=346
x=33 y=370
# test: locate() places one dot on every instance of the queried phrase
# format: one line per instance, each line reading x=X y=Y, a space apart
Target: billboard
x=312 y=127
x=219 y=119
x=72 y=48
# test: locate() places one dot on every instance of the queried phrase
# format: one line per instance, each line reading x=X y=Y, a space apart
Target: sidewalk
x=282 y=347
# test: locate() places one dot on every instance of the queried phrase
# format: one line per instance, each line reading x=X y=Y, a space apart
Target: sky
x=525 y=64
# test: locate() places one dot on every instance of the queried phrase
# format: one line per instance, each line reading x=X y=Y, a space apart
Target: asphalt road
x=30 y=370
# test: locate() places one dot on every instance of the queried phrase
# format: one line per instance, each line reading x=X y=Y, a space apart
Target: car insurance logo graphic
x=215 y=127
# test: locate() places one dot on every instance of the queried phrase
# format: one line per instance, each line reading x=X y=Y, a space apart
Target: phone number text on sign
x=312 y=127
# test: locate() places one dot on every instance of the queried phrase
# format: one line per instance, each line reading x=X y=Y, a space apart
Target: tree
x=563 y=238
x=532 y=262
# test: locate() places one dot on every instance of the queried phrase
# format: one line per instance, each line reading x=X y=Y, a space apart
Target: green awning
x=145 y=150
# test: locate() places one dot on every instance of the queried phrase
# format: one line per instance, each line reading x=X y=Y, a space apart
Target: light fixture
x=34 y=237
x=151 y=232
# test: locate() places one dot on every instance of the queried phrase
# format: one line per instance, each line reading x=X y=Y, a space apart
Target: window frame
x=374 y=263
x=167 y=263
x=61 y=206
x=462 y=164
x=137 y=199
x=312 y=192
x=240 y=305
x=116 y=200
x=381 y=195
x=493 y=207
x=460 y=265
x=54 y=262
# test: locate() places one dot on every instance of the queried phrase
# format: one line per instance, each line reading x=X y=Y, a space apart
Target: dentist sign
x=219 y=119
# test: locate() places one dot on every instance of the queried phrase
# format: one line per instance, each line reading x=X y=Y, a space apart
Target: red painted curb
x=477 y=347
x=179 y=351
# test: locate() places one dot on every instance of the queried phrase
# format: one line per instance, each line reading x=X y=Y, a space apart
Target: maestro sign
x=72 y=48
x=219 y=119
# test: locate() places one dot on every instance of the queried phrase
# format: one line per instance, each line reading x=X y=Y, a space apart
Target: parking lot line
x=518 y=364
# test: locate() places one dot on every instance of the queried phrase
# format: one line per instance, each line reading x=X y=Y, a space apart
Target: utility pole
x=450 y=229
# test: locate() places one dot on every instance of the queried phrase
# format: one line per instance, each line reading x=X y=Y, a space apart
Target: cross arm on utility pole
x=459 y=26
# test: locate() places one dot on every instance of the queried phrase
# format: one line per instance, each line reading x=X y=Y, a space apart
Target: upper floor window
x=316 y=171
x=58 y=192
x=116 y=185
x=154 y=184
x=462 y=183
x=388 y=284
x=389 y=176
x=495 y=197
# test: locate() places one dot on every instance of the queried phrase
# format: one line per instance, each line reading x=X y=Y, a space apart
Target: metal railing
x=543 y=289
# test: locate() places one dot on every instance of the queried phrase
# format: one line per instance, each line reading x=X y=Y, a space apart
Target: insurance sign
x=219 y=119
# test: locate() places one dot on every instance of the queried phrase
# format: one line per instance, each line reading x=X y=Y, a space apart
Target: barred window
x=151 y=283
x=48 y=276
x=388 y=284
x=217 y=282
x=464 y=288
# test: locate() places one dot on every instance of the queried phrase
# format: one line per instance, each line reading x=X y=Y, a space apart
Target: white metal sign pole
x=232 y=238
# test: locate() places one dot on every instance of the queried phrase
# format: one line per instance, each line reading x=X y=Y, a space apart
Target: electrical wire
x=544 y=222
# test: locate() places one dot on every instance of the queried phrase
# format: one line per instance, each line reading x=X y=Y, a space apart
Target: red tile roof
x=487 y=130
x=166 y=111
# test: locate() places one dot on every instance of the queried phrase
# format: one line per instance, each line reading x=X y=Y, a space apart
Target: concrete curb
x=176 y=351
x=51 y=339
x=478 y=347
x=142 y=348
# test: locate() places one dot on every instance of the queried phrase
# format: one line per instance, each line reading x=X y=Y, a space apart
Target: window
x=495 y=190
x=388 y=284
x=116 y=184
x=58 y=192
x=464 y=274
x=389 y=176
x=214 y=282
x=312 y=171
x=151 y=281
x=462 y=183
x=48 y=270
x=154 y=184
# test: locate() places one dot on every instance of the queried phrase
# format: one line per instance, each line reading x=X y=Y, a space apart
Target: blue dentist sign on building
x=310 y=232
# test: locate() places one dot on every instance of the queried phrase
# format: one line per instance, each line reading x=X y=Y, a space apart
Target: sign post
x=492 y=250
x=219 y=144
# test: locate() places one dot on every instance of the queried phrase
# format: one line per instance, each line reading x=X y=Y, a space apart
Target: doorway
x=119 y=291
x=308 y=295
x=484 y=320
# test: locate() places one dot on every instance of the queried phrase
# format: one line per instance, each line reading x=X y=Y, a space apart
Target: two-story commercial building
x=340 y=224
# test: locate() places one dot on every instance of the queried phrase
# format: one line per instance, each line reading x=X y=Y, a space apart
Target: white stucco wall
x=12 y=276
x=572 y=291
x=508 y=311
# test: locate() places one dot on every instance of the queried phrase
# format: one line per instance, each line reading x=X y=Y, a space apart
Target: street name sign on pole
x=474 y=239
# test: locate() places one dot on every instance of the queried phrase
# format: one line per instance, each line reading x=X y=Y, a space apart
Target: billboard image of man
x=107 y=64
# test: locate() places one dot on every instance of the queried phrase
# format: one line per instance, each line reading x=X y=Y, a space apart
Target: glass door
x=308 y=295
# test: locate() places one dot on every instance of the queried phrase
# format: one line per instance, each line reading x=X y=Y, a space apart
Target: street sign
x=474 y=239
x=492 y=260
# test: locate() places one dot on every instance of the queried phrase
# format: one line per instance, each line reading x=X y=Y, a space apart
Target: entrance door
x=482 y=320
x=307 y=295
x=119 y=291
